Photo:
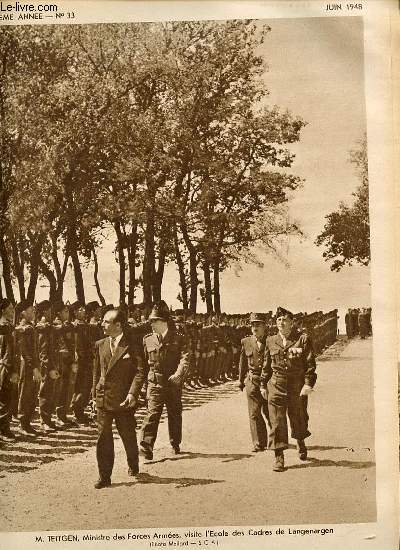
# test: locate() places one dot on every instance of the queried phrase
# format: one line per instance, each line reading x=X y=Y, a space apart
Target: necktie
x=113 y=345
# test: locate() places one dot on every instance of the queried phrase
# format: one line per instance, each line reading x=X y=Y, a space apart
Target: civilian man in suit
x=250 y=365
x=289 y=374
x=117 y=379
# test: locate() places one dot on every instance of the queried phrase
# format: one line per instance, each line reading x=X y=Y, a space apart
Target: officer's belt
x=156 y=377
x=254 y=374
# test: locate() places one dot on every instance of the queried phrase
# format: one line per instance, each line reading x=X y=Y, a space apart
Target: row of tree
x=158 y=134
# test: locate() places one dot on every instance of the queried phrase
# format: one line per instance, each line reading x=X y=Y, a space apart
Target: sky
x=315 y=71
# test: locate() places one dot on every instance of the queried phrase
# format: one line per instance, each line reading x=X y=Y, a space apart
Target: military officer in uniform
x=250 y=366
x=167 y=358
x=117 y=378
x=288 y=376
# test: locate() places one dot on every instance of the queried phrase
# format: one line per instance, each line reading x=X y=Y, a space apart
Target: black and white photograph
x=186 y=320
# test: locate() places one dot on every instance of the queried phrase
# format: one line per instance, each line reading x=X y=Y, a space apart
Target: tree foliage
x=157 y=133
x=346 y=235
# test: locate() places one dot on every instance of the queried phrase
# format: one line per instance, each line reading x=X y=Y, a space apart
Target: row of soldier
x=358 y=322
x=47 y=353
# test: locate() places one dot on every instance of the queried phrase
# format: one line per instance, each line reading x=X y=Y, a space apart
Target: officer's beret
x=257 y=318
x=282 y=312
x=160 y=311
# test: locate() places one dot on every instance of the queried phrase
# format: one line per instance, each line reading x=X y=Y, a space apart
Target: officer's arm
x=43 y=349
x=140 y=376
x=266 y=371
x=310 y=364
x=243 y=367
x=184 y=363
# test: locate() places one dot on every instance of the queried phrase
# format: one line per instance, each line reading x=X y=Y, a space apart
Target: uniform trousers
x=46 y=398
x=284 y=400
x=126 y=425
x=159 y=394
x=27 y=391
x=257 y=407
x=82 y=387
x=5 y=398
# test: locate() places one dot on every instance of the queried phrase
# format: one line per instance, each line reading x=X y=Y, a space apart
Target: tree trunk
x=217 y=297
x=7 y=278
x=18 y=267
x=182 y=274
x=149 y=260
x=208 y=287
x=159 y=274
x=79 y=287
x=47 y=272
x=34 y=271
x=96 y=277
x=121 y=263
x=194 y=282
x=132 y=251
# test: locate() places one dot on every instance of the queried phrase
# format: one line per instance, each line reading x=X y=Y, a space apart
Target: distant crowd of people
x=358 y=322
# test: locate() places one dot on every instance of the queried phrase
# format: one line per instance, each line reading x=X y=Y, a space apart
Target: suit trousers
x=257 y=407
x=284 y=400
x=169 y=394
x=82 y=387
x=126 y=426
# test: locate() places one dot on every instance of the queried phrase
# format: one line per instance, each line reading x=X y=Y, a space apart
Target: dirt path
x=48 y=485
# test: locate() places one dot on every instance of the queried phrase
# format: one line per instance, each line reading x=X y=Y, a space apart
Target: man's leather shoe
x=176 y=449
x=147 y=452
x=133 y=472
x=302 y=449
x=48 y=427
x=279 y=465
x=258 y=449
x=100 y=483
x=7 y=434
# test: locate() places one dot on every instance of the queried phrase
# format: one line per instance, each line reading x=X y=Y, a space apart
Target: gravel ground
x=48 y=484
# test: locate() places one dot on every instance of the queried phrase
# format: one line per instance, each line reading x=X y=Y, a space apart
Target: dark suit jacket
x=114 y=376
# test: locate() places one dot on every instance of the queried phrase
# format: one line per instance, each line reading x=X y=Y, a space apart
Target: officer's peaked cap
x=282 y=312
x=160 y=311
x=22 y=306
x=92 y=306
x=257 y=318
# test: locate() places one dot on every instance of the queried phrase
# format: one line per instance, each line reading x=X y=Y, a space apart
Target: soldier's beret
x=59 y=306
x=160 y=311
x=22 y=306
x=76 y=305
x=4 y=304
x=257 y=318
x=44 y=305
x=92 y=306
x=282 y=312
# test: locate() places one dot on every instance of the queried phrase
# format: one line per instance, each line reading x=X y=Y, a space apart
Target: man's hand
x=175 y=379
x=14 y=378
x=264 y=393
x=74 y=368
x=241 y=386
x=129 y=403
x=54 y=374
x=306 y=390
x=36 y=375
